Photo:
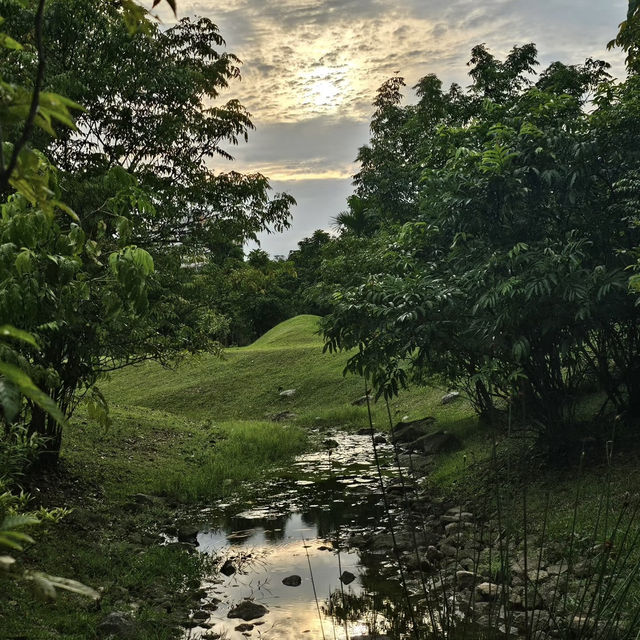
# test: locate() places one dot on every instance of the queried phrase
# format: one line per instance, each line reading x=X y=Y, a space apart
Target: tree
x=508 y=274
x=117 y=285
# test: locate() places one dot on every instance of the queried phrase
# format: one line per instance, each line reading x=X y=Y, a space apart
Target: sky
x=311 y=69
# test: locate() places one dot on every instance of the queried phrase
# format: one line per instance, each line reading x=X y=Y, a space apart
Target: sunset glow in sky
x=311 y=69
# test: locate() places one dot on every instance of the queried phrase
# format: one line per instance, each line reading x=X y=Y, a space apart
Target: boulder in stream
x=347 y=577
x=248 y=610
x=188 y=533
x=292 y=581
x=439 y=442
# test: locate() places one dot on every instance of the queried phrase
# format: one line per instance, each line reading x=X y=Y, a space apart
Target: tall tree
x=119 y=285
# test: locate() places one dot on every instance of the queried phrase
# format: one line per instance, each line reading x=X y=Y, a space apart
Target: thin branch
x=5 y=174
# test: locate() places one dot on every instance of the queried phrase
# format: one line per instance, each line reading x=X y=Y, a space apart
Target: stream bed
x=305 y=532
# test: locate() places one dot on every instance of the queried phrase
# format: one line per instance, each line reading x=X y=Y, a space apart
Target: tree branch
x=5 y=174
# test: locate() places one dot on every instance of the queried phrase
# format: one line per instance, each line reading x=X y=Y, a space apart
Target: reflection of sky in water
x=339 y=487
x=274 y=556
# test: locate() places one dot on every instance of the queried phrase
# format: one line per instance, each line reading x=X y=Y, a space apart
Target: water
x=303 y=528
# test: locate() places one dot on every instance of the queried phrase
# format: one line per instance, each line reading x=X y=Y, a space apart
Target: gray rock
x=439 y=442
x=450 y=397
x=245 y=626
x=201 y=614
x=488 y=590
x=410 y=431
x=379 y=439
x=434 y=554
x=248 y=610
x=466 y=579
x=227 y=569
x=118 y=625
x=330 y=443
x=287 y=393
x=463 y=515
x=292 y=581
x=347 y=577
x=365 y=431
x=188 y=533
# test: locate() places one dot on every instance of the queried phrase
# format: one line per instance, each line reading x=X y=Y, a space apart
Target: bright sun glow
x=323 y=93
x=325 y=88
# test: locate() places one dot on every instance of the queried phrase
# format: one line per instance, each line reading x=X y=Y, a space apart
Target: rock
x=362 y=400
x=364 y=432
x=450 y=397
x=347 y=577
x=188 y=533
x=433 y=554
x=330 y=443
x=488 y=590
x=458 y=525
x=284 y=415
x=439 y=442
x=465 y=516
x=144 y=499
x=582 y=569
x=379 y=439
x=466 y=579
x=227 y=569
x=410 y=431
x=245 y=626
x=201 y=614
x=287 y=393
x=416 y=463
x=248 y=610
x=292 y=581
x=118 y=625
x=455 y=510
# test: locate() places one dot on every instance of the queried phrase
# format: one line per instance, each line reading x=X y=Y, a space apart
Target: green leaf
x=23 y=261
x=48 y=584
x=9 y=331
x=9 y=43
x=28 y=389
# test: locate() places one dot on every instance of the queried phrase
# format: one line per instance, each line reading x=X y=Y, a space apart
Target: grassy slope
x=244 y=385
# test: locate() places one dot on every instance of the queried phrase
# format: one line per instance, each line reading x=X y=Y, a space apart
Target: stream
x=305 y=532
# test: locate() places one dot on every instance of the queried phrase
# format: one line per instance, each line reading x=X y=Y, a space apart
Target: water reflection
x=266 y=553
x=296 y=527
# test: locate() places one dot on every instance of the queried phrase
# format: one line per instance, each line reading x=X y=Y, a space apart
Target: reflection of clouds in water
x=292 y=610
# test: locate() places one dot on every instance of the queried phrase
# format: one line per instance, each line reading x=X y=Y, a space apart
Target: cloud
x=311 y=69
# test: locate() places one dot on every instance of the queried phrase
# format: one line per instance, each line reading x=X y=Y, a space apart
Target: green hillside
x=245 y=383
